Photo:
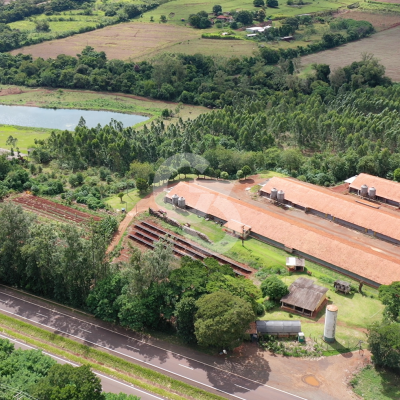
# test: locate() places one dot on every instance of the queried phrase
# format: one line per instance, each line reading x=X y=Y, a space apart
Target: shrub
x=274 y=288
x=269 y=305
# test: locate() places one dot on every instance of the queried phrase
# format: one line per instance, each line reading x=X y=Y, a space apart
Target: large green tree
x=274 y=288
x=222 y=319
x=390 y=297
x=384 y=343
x=68 y=382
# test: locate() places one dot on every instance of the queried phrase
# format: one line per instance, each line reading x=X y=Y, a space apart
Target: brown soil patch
x=122 y=41
x=384 y=45
x=342 y=189
x=380 y=21
x=53 y=211
x=10 y=91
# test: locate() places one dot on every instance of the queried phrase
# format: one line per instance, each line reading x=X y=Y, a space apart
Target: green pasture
x=373 y=383
x=26 y=136
x=176 y=10
x=79 y=21
x=129 y=200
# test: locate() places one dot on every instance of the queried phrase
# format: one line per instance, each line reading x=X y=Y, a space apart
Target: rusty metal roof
x=384 y=188
x=357 y=258
x=305 y=293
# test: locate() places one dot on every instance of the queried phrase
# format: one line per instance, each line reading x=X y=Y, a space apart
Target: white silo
x=330 y=323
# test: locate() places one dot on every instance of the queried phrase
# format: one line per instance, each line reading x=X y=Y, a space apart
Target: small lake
x=62 y=118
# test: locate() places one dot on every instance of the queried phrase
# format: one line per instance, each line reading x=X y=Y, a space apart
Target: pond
x=62 y=118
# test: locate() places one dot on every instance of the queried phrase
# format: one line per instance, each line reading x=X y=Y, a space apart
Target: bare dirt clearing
x=380 y=21
x=53 y=211
x=121 y=41
x=384 y=45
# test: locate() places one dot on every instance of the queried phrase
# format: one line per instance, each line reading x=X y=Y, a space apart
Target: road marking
x=241 y=386
x=185 y=366
x=132 y=347
x=76 y=365
x=141 y=341
x=41 y=315
x=85 y=330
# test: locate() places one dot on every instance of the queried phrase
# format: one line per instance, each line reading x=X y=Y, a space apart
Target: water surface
x=62 y=118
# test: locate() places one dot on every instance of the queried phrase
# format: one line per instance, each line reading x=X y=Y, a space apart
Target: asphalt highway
x=227 y=384
x=108 y=384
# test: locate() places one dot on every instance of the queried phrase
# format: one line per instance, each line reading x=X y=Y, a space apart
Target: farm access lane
x=214 y=379
x=108 y=384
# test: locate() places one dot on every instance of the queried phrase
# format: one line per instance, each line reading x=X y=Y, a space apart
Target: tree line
x=26 y=373
x=192 y=79
x=202 y=301
x=57 y=261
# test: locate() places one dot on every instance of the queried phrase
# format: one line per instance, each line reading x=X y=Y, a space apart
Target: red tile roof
x=356 y=258
x=384 y=188
x=237 y=226
x=339 y=206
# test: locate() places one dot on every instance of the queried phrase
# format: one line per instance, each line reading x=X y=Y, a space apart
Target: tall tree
x=222 y=319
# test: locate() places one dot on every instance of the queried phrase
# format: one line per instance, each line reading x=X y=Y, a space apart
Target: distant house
x=255 y=29
x=295 y=264
x=251 y=34
x=305 y=297
x=287 y=38
x=223 y=18
x=278 y=328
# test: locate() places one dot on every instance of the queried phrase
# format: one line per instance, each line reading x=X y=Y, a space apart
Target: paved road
x=227 y=384
x=108 y=384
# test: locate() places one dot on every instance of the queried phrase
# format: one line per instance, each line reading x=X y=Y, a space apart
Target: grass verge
x=103 y=362
x=376 y=384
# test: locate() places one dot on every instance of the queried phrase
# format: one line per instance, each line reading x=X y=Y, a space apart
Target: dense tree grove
x=193 y=79
x=51 y=260
x=151 y=290
x=349 y=125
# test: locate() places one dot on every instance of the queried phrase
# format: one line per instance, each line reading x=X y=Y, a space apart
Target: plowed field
x=54 y=211
x=384 y=45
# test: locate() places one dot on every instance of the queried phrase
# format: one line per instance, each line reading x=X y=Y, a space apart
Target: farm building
x=379 y=189
x=278 y=328
x=237 y=229
x=356 y=261
x=305 y=297
x=343 y=210
x=295 y=264
x=256 y=29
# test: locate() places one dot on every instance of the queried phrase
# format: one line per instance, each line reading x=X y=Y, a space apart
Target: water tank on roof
x=181 y=202
x=175 y=198
x=274 y=194
x=364 y=191
x=372 y=192
x=281 y=196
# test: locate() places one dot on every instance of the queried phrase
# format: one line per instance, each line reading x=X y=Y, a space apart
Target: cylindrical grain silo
x=364 y=191
x=274 y=194
x=281 y=196
x=330 y=323
x=175 y=198
x=372 y=192
x=181 y=202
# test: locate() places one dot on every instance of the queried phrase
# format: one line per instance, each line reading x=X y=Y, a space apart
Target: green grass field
x=79 y=21
x=129 y=200
x=176 y=10
x=376 y=384
x=26 y=136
